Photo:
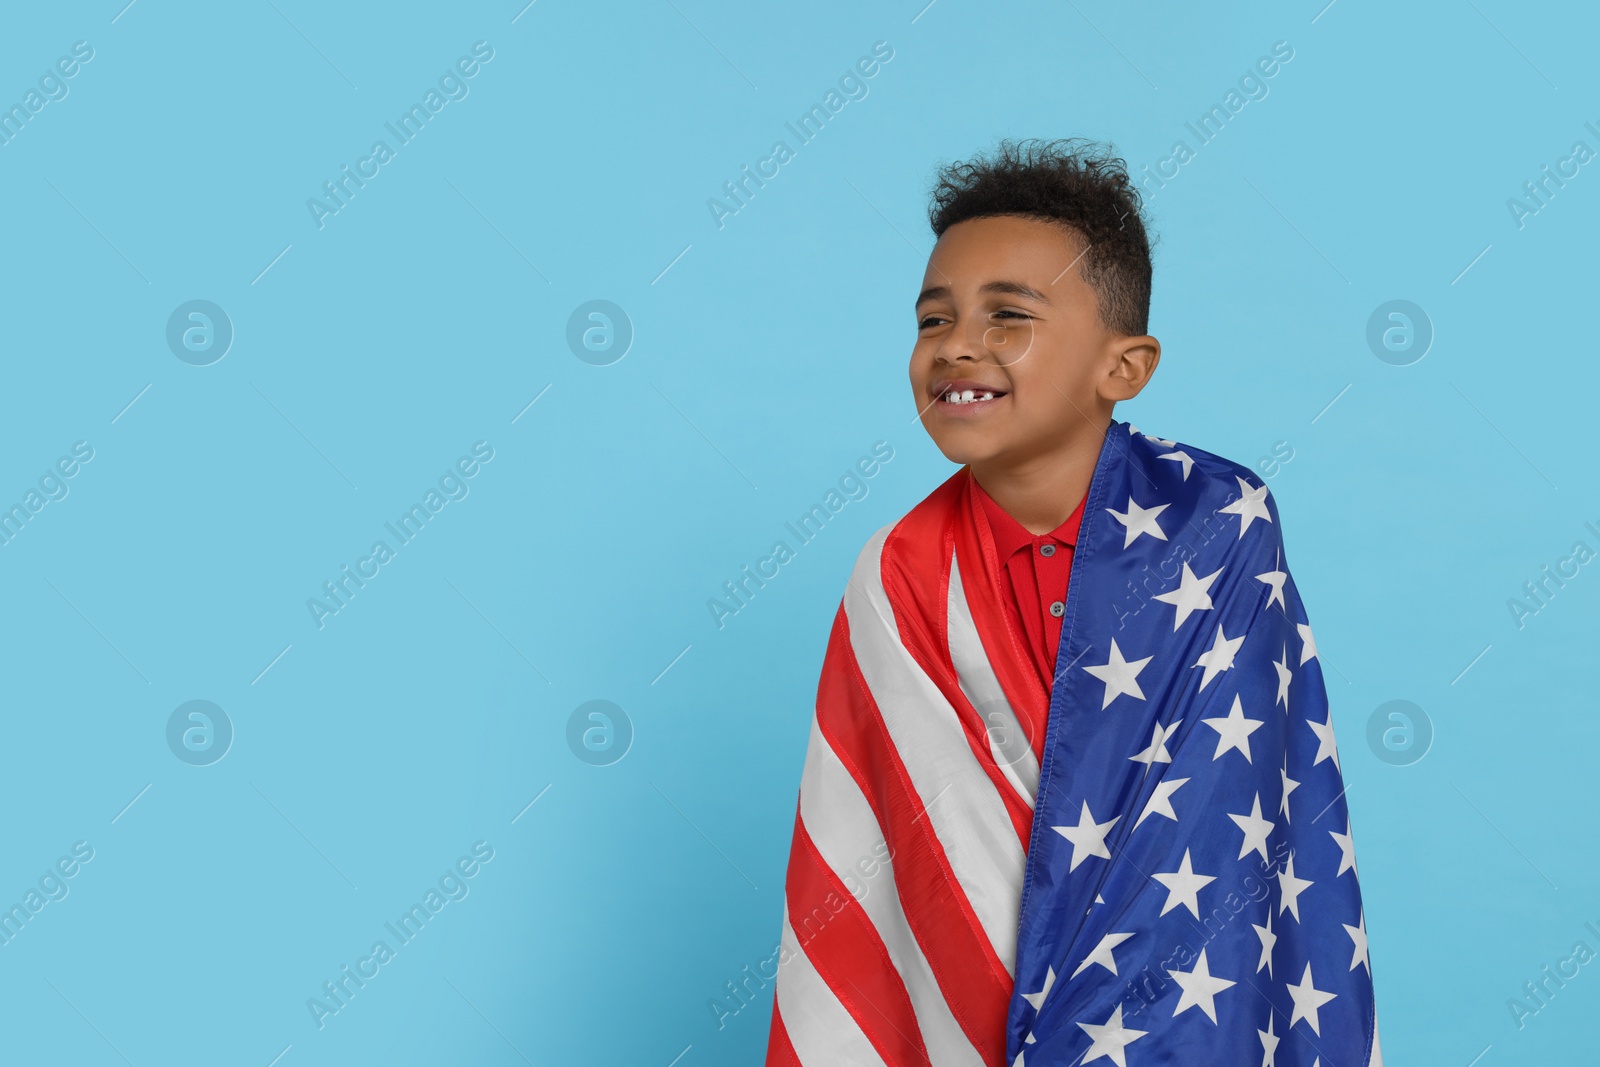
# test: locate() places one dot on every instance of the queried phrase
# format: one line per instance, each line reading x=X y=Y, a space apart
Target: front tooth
x=966 y=396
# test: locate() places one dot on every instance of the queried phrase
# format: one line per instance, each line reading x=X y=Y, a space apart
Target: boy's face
x=1004 y=311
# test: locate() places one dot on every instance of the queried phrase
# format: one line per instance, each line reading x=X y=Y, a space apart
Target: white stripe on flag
x=958 y=798
x=1017 y=761
x=841 y=822
x=820 y=1029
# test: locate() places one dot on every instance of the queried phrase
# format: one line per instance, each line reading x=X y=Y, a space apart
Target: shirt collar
x=1011 y=536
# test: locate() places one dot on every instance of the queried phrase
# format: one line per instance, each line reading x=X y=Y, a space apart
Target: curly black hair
x=1072 y=181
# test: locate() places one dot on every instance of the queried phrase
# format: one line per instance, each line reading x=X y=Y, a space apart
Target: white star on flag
x=1110 y=1039
x=1219 y=657
x=1255 y=830
x=1088 y=837
x=1289 y=786
x=1326 y=749
x=1183 y=886
x=1120 y=675
x=1200 y=989
x=1233 y=730
x=1269 y=1043
x=1037 y=999
x=1181 y=457
x=1160 y=802
x=1275 y=579
x=1193 y=594
x=1308 y=646
x=1358 y=938
x=1289 y=890
x=1102 y=954
x=1285 y=676
x=1140 y=521
x=1307 y=999
x=1157 y=752
x=1268 y=939
x=1347 y=849
x=1252 y=504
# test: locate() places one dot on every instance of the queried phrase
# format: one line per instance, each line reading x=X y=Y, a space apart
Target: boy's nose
x=968 y=343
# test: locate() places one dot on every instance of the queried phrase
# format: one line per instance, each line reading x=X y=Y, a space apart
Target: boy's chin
x=970 y=448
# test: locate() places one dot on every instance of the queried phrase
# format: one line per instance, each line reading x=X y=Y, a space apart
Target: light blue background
x=429 y=312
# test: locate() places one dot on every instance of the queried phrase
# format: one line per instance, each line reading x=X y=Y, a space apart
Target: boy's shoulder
x=1215 y=473
x=918 y=535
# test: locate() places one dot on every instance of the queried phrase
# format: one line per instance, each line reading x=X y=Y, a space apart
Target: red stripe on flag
x=780 y=1053
x=1007 y=651
x=974 y=982
x=916 y=576
x=846 y=951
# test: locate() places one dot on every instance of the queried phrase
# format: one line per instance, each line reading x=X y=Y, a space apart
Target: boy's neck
x=1041 y=492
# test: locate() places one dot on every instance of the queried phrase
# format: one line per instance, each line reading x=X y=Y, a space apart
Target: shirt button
x=1058 y=609
x=1047 y=550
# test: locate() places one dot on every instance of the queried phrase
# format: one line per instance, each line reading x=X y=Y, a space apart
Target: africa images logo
x=852 y=86
x=452 y=86
x=852 y=486
x=452 y=886
x=453 y=485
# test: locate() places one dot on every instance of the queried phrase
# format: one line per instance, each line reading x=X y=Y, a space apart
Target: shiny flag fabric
x=1150 y=864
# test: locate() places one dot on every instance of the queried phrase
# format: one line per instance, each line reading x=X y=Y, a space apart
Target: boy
x=1071 y=792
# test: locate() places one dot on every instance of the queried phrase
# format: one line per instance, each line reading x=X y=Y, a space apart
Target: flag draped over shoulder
x=1163 y=875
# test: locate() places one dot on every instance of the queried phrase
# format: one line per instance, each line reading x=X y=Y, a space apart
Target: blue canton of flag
x=1190 y=893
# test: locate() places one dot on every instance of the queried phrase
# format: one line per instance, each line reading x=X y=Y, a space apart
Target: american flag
x=1166 y=876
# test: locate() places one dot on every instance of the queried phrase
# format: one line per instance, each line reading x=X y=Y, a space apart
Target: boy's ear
x=1134 y=361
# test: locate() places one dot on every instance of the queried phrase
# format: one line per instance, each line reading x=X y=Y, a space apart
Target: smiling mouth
x=952 y=397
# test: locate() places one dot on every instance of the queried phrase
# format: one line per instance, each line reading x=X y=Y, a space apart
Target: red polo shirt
x=1036 y=568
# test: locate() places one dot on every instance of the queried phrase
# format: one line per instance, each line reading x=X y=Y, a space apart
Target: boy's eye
x=1010 y=313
